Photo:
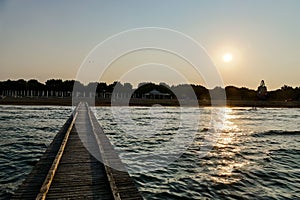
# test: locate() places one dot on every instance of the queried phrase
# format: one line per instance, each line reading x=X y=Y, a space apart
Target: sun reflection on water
x=226 y=151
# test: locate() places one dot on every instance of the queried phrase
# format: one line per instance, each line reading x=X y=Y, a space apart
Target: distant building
x=155 y=94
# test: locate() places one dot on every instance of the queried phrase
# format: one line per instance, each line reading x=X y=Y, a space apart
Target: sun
x=227 y=57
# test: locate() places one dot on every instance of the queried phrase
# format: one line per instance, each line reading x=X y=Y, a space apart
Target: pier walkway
x=68 y=170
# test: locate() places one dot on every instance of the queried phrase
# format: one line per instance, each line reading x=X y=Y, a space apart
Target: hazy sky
x=50 y=39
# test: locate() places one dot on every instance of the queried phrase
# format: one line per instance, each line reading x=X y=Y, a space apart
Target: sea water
x=255 y=154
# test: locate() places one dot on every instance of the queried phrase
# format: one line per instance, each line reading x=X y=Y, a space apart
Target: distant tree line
x=60 y=88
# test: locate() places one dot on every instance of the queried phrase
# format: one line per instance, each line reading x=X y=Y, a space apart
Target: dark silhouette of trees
x=148 y=87
x=101 y=87
x=183 y=91
x=21 y=85
x=68 y=85
x=60 y=88
x=286 y=93
x=35 y=87
x=234 y=93
x=218 y=93
x=128 y=87
x=54 y=86
x=201 y=92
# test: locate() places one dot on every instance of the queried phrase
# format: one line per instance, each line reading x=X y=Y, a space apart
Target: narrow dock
x=68 y=170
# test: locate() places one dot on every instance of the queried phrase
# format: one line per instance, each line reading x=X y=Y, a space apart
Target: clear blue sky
x=49 y=39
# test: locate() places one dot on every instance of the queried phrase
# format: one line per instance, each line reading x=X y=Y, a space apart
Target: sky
x=50 y=39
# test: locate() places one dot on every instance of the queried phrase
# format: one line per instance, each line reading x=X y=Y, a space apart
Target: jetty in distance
x=68 y=170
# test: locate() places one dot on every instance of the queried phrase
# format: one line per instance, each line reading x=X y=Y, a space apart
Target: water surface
x=256 y=156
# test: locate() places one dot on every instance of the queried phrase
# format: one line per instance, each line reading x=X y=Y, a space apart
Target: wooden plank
x=78 y=174
x=111 y=159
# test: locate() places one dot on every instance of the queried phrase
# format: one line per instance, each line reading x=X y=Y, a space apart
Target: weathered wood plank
x=79 y=175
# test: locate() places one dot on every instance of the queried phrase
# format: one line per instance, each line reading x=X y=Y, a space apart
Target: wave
x=277 y=133
x=47 y=129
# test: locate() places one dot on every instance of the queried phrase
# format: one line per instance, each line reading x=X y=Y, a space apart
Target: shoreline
x=148 y=102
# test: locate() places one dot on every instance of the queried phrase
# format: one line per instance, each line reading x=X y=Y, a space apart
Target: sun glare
x=227 y=57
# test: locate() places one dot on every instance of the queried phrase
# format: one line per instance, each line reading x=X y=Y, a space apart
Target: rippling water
x=25 y=134
x=256 y=154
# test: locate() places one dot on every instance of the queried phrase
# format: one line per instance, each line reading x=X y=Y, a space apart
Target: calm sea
x=255 y=154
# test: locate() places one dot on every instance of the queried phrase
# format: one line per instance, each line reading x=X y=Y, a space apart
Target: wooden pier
x=68 y=170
